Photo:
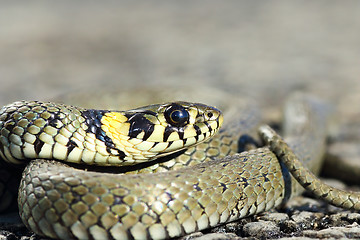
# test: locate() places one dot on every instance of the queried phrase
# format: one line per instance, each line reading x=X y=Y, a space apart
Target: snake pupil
x=176 y=115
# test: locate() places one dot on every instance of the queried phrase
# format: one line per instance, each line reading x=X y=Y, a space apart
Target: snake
x=180 y=173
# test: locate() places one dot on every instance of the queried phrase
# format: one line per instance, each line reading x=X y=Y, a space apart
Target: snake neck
x=35 y=129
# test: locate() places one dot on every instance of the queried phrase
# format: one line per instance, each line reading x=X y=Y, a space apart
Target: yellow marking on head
x=135 y=141
x=115 y=123
x=203 y=127
x=201 y=137
x=157 y=135
x=221 y=120
x=159 y=147
x=189 y=131
x=116 y=116
x=213 y=125
x=144 y=146
x=190 y=141
x=175 y=145
x=174 y=136
x=162 y=120
x=141 y=135
x=124 y=143
x=192 y=114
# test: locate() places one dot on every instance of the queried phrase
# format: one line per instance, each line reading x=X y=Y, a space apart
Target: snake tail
x=340 y=198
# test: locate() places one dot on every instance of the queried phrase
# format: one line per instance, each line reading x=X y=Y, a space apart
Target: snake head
x=154 y=131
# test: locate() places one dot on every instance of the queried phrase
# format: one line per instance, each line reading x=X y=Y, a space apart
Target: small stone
x=353 y=217
x=339 y=219
x=217 y=236
x=261 y=229
x=307 y=220
x=326 y=233
x=288 y=226
x=274 y=217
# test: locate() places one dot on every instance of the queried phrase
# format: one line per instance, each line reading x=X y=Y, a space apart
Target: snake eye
x=176 y=115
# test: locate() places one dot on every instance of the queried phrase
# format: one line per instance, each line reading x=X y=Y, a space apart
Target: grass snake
x=217 y=184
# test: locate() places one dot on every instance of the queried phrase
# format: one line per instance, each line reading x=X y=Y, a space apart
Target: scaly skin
x=334 y=196
x=58 y=201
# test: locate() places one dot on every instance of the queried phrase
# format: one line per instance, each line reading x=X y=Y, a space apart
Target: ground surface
x=257 y=49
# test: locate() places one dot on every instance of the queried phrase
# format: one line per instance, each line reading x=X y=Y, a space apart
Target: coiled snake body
x=64 y=202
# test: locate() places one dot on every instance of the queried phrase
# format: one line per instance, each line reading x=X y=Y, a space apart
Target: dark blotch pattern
x=170 y=129
x=198 y=132
x=93 y=121
x=208 y=126
x=138 y=124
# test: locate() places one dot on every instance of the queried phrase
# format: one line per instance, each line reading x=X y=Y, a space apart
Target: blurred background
x=257 y=48
x=263 y=50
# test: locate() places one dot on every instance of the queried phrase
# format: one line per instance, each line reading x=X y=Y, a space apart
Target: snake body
x=63 y=202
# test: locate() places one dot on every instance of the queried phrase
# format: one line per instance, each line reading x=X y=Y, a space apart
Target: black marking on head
x=38 y=144
x=181 y=133
x=71 y=145
x=108 y=142
x=93 y=121
x=198 y=132
x=169 y=130
x=217 y=121
x=138 y=124
x=119 y=153
x=204 y=134
x=208 y=125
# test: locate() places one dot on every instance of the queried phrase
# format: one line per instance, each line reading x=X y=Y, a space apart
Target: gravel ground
x=263 y=50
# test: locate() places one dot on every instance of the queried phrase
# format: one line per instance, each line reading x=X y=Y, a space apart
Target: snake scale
x=217 y=185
